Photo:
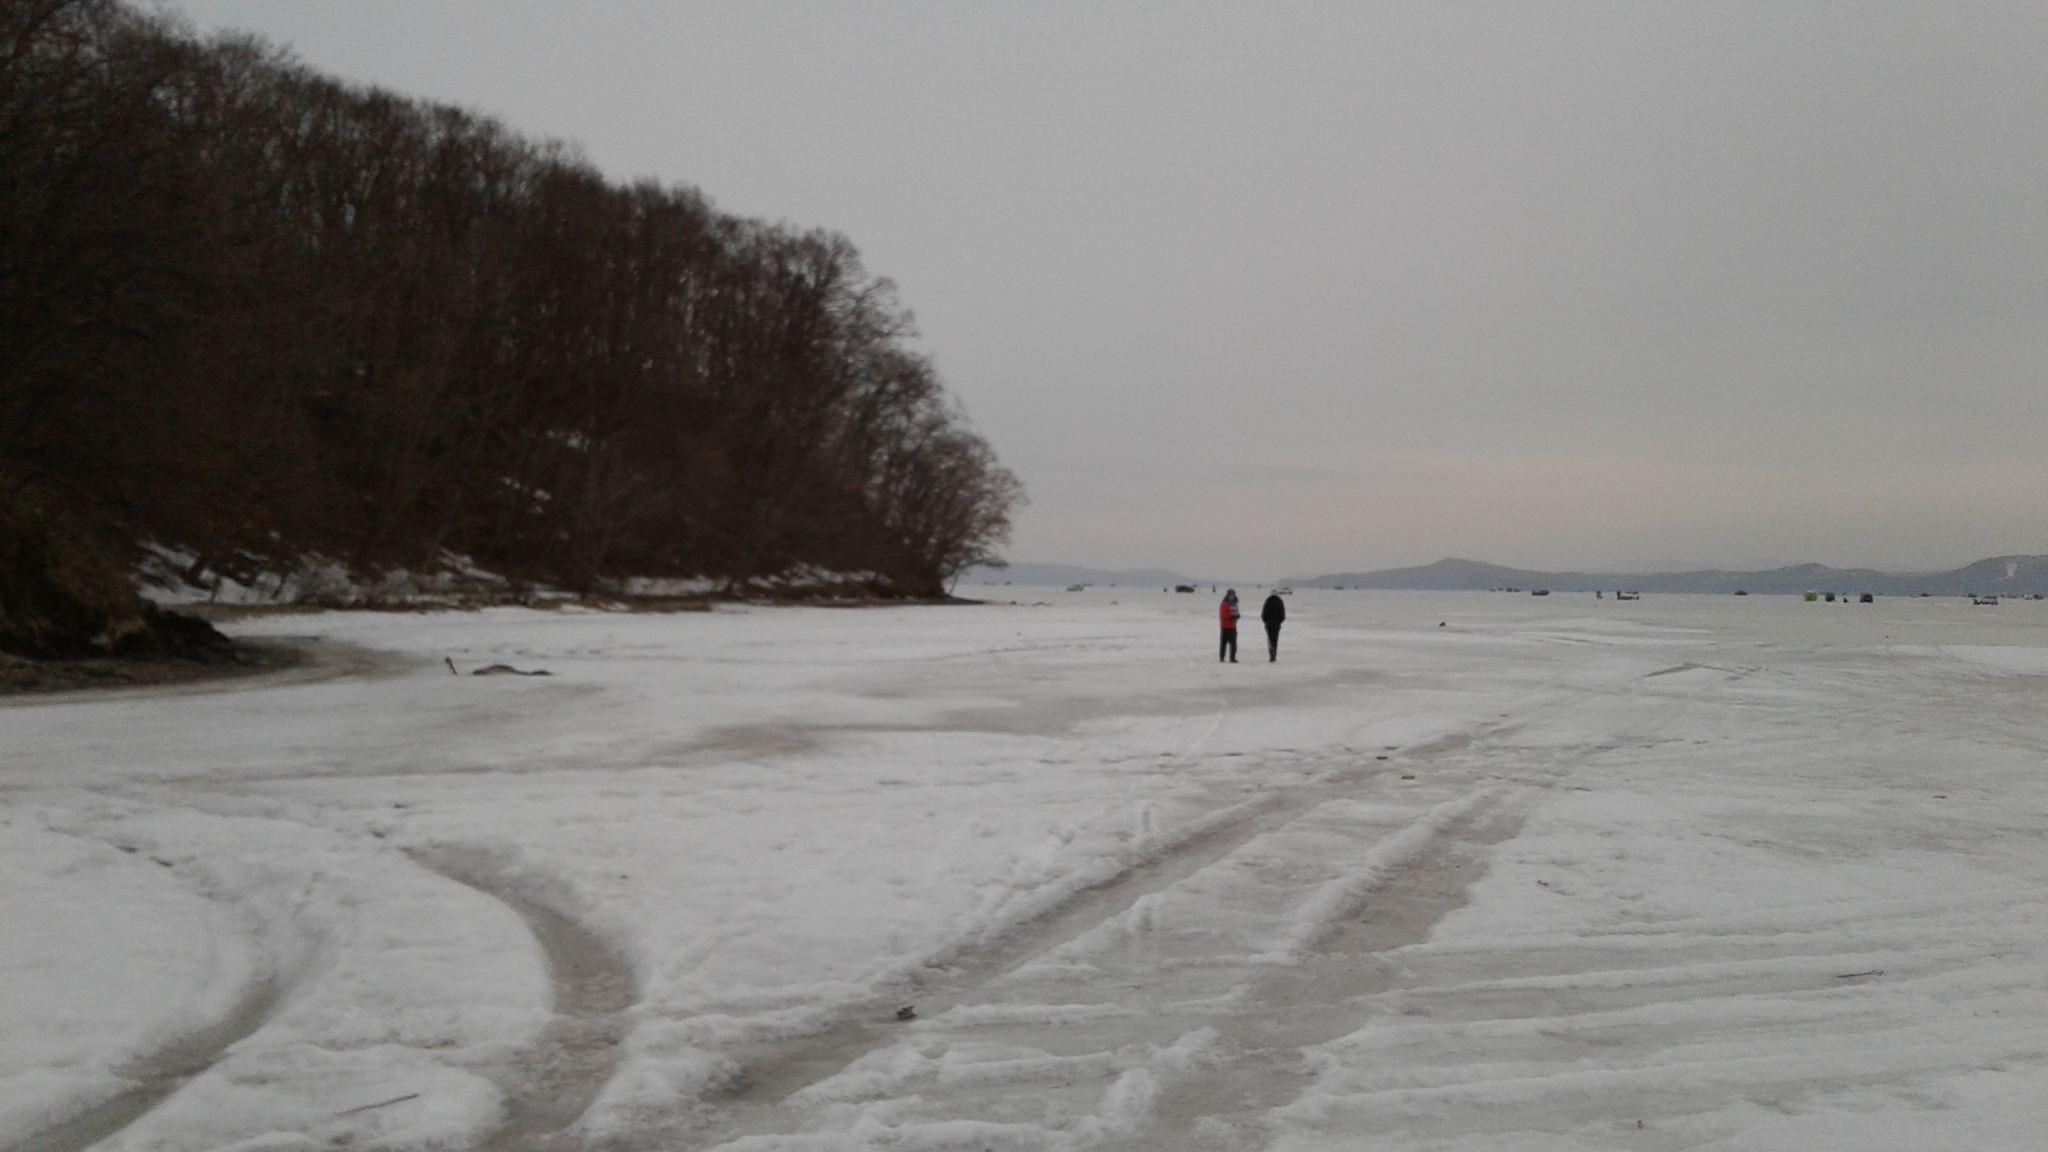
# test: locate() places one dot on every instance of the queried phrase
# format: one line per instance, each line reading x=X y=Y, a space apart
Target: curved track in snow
x=1672 y=887
x=160 y=1073
x=551 y=1084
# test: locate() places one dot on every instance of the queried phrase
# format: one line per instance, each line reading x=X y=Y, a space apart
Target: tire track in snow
x=1287 y=1009
x=1175 y=1061
x=550 y=1085
x=162 y=1073
x=156 y=1076
x=774 y=1069
x=1252 y=1061
x=1403 y=913
x=1665 y=1019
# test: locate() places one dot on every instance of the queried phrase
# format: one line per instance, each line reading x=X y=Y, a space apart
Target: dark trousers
x=1229 y=647
x=1272 y=642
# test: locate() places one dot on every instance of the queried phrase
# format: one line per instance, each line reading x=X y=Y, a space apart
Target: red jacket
x=1228 y=612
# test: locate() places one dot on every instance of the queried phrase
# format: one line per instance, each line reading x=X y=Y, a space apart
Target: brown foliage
x=257 y=313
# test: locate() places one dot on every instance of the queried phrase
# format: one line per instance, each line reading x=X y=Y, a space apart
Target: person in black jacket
x=1273 y=614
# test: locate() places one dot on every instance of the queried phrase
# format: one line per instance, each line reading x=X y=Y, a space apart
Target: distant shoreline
x=24 y=677
x=1999 y=575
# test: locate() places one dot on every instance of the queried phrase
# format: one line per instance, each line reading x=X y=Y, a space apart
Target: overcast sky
x=1257 y=289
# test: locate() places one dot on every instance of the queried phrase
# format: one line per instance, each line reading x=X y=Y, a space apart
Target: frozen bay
x=1461 y=871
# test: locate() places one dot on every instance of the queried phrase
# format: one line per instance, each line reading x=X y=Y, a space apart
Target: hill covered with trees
x=254 y=313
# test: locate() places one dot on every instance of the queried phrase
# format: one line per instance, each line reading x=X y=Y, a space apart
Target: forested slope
x=253 y=313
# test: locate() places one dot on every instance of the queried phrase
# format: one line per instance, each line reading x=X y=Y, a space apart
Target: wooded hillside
x=252 y=312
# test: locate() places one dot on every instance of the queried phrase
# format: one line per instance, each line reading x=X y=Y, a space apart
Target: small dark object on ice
x=907 y=1012
x=1439 y=623
x=1407 y=775
x=451 y=666
x=381 y=1104
x=508 y=670
x=1858 y=975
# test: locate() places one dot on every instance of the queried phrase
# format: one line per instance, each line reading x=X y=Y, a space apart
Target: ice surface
x=1460 y=871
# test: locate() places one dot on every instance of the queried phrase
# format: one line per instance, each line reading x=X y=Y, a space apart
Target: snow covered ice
x=1688 y=872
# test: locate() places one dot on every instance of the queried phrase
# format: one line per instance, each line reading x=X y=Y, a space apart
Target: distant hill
x=1059 y=575
x=1999 y=576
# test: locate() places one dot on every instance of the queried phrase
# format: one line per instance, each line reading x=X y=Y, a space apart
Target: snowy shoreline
x=1455 y=872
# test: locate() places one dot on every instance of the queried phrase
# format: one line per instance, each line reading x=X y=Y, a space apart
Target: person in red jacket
x=1227 y=611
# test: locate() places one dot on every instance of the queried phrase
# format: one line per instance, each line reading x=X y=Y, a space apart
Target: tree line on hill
x=254 y=312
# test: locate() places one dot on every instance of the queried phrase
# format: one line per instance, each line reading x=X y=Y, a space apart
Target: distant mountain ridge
x=1998 y=576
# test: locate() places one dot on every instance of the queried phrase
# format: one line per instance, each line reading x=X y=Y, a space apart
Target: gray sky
x=1253 y=289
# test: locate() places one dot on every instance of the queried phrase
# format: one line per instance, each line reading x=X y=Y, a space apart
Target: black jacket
x=1274 y=611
